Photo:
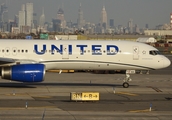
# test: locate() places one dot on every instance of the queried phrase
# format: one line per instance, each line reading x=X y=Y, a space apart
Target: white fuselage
x=84 y=54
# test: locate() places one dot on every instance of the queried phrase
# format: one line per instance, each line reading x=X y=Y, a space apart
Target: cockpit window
x=154 y=52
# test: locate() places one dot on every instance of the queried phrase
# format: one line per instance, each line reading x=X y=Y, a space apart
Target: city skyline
x=141 y=12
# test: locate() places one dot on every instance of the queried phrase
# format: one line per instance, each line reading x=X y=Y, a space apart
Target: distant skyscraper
x=130 y=26
x=29 y=14
x=1 y=11
x=137 y=30
x=35 y=20
x=171 y=21
x=111 y=23
x=69 y=24
x=4 y=13
x=23 y=8
x=80 y=18
x=59 y=23
x=0 y=16
x=104 y=18
x=16 y=19
x=147 y=26
x=42 y=19
x=60 y=16
x=56 y=25
x=22 y=17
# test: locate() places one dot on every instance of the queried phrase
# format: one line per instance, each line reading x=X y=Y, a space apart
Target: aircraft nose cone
x=167 y=62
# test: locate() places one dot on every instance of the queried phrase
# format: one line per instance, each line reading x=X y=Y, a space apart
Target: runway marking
x=22 y=108
x=17 y=94
x=154 y=88
x=26 y=94
x=138 y=111
x=42 y=96
x=125 y=93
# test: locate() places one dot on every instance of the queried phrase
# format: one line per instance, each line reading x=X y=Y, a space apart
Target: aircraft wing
x=10 y=61
x=6 y=60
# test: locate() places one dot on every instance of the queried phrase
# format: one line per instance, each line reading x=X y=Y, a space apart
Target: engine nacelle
x=24 y=72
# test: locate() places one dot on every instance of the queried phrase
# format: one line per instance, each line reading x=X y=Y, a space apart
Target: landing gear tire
x=125 y=85
x=126 y=80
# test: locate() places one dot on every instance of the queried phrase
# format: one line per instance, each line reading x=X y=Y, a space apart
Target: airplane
x=28 y=60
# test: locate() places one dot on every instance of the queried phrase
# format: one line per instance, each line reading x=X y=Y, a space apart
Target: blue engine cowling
x=24 y=72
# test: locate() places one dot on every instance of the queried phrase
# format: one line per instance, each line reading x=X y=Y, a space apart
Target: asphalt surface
x=148 y=97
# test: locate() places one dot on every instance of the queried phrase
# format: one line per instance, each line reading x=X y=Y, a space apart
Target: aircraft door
x=65 y=52
x=135 y=53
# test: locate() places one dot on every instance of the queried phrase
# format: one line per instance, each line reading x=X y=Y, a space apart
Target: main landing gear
x=126 y=80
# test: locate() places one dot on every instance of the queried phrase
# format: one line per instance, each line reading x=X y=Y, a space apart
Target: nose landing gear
x=126 y=80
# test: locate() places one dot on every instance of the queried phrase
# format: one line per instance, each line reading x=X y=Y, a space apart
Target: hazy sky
x=153 y=12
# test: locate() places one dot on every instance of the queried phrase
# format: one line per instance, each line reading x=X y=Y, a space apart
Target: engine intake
x=24 y=72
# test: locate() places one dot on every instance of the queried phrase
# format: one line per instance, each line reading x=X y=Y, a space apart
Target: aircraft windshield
x=154 y=52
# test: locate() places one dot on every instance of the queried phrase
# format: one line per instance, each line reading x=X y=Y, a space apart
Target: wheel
x=125 y=85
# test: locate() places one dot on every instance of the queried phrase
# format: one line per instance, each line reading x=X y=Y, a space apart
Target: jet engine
x=24 y=72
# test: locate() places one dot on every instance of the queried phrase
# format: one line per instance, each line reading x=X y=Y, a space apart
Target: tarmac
x=148 y=97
